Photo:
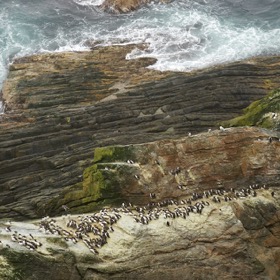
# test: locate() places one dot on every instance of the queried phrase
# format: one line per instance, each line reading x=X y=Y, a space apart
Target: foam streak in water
x=89 y=2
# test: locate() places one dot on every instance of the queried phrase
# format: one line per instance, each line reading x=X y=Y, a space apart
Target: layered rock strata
x=62 y=106
x=226 y=159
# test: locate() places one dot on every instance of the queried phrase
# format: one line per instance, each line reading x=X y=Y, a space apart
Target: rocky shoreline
x=88 y=131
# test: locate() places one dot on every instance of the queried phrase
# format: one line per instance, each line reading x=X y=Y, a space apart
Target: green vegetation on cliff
x=262 y=113
x=113 y=153
x=101 y=183
x=102 y=179
x=7 y=271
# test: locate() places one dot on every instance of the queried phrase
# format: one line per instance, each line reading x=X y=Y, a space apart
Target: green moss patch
x=99 y=182
x=17 y=264
x=113 y=153
x=101 y=186
x=259 y=113
x=7 y=271
x=32 y=265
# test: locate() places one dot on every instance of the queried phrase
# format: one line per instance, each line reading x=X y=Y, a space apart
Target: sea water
x=183 y=35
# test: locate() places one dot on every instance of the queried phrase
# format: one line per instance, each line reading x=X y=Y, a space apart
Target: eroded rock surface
x=62 y=106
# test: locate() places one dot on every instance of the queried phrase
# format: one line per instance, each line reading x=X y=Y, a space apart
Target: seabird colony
x=94 y=229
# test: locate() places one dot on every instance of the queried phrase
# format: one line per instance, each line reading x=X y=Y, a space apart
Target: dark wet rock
x=60 y=265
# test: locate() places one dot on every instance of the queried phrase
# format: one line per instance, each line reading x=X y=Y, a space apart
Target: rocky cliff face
x=224 y=159
x=261 y=113
x=62 y=106
x=91 y=131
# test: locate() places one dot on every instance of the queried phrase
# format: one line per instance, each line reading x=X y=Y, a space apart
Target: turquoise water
x=183 y=35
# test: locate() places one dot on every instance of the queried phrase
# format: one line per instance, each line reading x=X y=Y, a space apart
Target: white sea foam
x=198 y=40
x=89 y=2
x=73 y=48
x=183 y=35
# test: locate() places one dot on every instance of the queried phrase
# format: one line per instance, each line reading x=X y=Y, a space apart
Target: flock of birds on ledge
x=95 y=229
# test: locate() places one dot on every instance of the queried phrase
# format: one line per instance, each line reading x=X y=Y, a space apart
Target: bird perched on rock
x=8 y=228
x=64 y=207
x=157 y=162
x=152 y=195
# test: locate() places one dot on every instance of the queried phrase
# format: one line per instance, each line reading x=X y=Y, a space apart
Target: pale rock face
x=233 y=240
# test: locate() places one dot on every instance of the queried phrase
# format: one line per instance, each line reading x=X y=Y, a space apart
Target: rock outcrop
x=125 y=6
x=174 y=197
x=62 y=106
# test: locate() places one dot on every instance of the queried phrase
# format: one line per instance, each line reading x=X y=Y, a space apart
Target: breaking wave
x=182 y=35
